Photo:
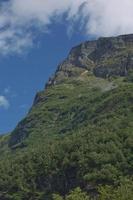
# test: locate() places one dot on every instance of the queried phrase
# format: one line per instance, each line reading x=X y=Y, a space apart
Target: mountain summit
x=104 y=58
x=79 y=131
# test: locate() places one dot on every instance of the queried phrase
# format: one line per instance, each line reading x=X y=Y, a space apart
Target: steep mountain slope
x=79 y=131
x=105 y=58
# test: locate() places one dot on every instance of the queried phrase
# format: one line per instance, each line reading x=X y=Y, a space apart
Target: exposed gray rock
x=105 y=57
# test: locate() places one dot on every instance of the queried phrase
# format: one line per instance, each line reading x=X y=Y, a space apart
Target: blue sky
x=36 y=35
x=21 y=76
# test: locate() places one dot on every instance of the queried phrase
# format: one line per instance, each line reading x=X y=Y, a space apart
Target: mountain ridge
x=84 y=55
x=104 y=58
x=79 y=131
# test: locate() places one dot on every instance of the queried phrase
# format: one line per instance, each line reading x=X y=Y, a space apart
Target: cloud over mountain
x=100 y=17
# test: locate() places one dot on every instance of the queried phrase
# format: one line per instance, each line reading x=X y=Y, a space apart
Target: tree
x=57 y=197
x=77 y=194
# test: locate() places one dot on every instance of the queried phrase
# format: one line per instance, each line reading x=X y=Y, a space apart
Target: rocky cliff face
x=104 y=58
x=88 y=68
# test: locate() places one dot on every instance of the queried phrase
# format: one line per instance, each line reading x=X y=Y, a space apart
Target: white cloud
x=100 y=18
x=110 y=17
x=4 y=103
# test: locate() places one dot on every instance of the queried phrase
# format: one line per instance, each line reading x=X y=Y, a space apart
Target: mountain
x=79 y=131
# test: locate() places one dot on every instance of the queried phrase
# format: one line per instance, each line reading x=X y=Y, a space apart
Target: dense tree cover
x=123 y=192
x=36 y=175
x=79 y=135
x=76 y=194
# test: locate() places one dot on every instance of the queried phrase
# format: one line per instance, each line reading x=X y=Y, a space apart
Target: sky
x=36 y=35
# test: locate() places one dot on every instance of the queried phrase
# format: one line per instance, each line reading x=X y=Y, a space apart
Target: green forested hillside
x=76 y=143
